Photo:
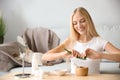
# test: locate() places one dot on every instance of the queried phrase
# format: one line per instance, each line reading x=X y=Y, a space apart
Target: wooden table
x=10 y=76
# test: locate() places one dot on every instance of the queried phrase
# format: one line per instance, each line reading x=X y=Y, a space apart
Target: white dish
x=60 y=72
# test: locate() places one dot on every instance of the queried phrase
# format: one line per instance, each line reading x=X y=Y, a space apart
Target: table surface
x=10 y=76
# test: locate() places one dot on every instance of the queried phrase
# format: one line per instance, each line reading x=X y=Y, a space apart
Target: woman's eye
x=82 y=21
x=74 y=23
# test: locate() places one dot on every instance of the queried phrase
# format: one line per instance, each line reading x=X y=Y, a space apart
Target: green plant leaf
x=2 y=27
x=69 y=52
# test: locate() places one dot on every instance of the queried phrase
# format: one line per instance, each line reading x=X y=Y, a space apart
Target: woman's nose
x=79 y=25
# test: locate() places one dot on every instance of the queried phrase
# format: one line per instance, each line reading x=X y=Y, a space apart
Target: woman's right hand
x=66 y=54
x=78 y=54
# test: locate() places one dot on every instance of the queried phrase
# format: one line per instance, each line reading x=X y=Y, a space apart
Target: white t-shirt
x=97 y=44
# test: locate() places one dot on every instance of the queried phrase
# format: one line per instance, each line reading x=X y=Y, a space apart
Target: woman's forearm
x=52 y=56
x=112 y=57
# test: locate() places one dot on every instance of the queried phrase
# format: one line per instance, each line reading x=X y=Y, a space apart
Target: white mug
x=36 y=61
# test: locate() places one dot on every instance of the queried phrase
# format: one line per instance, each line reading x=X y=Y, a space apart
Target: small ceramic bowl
x=60 y=72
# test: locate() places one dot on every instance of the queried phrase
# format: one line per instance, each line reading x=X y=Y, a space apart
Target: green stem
x=69 y=52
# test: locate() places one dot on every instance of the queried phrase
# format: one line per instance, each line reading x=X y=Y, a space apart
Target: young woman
x=83 y=42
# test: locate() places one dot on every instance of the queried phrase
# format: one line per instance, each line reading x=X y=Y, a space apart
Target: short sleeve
x=103 y=42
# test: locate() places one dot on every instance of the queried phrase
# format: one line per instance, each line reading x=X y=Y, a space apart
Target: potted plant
x=2 y=30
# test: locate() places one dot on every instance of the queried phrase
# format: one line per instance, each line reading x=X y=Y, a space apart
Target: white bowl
x=60 y=72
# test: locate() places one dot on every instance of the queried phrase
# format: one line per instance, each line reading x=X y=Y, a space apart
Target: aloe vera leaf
x=69 y=52
x=84 y=58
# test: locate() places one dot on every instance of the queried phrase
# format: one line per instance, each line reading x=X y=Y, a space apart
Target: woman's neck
x=84 y=38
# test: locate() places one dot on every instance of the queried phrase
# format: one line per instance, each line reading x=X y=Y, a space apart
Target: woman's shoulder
x=66 y=43
x=100 y=39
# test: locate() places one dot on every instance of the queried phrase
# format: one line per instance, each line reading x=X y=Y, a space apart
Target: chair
x=40 y=39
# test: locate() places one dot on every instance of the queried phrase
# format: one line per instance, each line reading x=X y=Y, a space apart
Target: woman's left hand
x=90 y=53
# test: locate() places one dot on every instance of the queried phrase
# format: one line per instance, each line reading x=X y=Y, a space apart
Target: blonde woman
x=83 y=42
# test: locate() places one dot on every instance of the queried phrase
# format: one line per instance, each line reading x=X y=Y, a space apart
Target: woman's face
x=79 y=23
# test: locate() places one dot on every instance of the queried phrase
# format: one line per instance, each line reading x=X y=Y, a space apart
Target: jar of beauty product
x=81 y=71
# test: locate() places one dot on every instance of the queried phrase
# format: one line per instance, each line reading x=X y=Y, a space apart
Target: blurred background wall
x=54 y=14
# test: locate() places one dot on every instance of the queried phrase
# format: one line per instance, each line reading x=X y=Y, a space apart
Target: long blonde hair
x=91 y=31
